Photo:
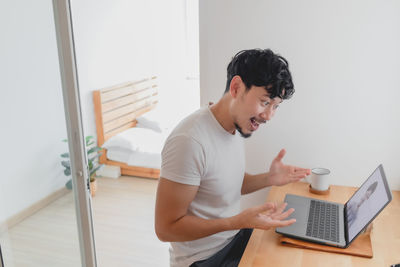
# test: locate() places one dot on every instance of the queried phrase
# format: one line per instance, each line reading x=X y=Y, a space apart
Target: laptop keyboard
x=323 y=221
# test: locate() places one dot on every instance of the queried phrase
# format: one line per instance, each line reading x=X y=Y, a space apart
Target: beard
x=244 y=135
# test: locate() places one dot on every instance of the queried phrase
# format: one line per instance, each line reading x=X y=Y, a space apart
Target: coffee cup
x=320 y=179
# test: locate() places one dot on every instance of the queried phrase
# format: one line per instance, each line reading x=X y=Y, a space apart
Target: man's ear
x=235 y=86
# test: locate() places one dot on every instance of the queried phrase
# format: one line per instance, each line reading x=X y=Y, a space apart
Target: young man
x=203 y=167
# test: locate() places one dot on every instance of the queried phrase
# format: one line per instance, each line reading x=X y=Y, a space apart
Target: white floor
x=123 y=213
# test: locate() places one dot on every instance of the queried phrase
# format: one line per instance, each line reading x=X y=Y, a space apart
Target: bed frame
x=116 y=109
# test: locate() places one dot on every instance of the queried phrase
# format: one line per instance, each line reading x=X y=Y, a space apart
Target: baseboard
x=29 y=211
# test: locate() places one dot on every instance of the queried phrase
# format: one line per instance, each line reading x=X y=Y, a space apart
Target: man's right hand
x=173 y=224
x=267 y=216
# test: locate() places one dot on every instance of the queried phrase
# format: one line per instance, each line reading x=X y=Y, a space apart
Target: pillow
x=144 y=122
x=156 y=120
x=119 y=154
x=137 y=139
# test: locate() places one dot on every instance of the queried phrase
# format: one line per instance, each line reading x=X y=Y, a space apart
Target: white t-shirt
x=200 y=152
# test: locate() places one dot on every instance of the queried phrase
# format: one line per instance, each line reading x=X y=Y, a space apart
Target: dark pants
x=230 y=255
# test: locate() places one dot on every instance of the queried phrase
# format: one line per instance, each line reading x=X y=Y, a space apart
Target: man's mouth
x=254 y=124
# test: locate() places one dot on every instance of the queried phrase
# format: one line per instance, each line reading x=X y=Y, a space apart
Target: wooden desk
x=264 y=248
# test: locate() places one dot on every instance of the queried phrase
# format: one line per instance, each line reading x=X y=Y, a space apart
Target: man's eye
x=265 y=103
x=276 y=106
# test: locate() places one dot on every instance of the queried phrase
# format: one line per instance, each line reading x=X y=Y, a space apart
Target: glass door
x=42 y=222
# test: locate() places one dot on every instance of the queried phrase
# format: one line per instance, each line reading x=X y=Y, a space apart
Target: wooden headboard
x=116 y=109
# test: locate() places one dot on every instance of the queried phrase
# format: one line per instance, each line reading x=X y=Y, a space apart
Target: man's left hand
x=281 y=174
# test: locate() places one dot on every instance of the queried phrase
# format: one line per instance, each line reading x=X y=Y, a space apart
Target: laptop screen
x=373 y=195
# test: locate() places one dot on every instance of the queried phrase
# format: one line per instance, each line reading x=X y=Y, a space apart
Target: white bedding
x=143 y=159
x=121 y=155
x=137 y=139
x=157 y=121
x=135 y=158
x=137 y=146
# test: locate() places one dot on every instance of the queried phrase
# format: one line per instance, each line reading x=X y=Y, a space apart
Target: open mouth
x=254 y=124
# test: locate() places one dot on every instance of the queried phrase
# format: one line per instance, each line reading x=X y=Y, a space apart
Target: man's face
x=252 y=108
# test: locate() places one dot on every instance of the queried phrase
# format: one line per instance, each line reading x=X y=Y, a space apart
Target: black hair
x=261 y=67
x=372 y=187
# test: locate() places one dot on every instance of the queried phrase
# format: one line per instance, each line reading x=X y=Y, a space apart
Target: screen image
x=366 y=203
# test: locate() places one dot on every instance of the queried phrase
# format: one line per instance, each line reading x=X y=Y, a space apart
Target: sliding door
x=42 y=222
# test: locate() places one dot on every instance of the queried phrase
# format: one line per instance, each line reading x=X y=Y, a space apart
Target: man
x=203 y=167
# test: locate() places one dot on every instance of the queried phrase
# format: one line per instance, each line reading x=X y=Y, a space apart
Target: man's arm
x=279 y=174
x=253 y=183
x=173 y=224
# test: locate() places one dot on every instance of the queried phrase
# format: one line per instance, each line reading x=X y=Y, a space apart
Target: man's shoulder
x=193 y=125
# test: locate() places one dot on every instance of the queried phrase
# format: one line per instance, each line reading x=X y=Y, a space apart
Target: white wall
x=120 y=41
x=31 y=106
x=345 y=61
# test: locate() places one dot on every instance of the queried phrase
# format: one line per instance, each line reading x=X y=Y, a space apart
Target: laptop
x=336 y=224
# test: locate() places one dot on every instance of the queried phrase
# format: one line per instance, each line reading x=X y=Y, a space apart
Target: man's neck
x=222 y=114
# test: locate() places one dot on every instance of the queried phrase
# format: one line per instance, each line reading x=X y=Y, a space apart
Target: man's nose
x=267 y=114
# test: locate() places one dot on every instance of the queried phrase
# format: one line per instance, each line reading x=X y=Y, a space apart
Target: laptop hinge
x=1 y=259
x=346 y=232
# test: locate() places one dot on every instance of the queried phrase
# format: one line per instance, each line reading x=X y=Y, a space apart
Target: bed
x=117 y=111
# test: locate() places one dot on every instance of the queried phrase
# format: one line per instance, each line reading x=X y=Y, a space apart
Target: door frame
x=76 y=143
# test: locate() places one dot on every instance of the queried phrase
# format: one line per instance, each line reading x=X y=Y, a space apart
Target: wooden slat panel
x=126 y=118
x=122 y=101
x=103 y=157
x=99 y=118
x=126 y=90
x=116 y=110
x=120 y=92
x=111 y=125
x=107 y=89
x=121 y=85
x=145 y=85
x=119 y=129
x=116 y=113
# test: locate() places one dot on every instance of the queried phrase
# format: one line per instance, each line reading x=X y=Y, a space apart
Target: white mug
x=319 y=179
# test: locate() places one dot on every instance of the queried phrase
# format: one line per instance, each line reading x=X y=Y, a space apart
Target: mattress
x=140 y=146
x=135 y=158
